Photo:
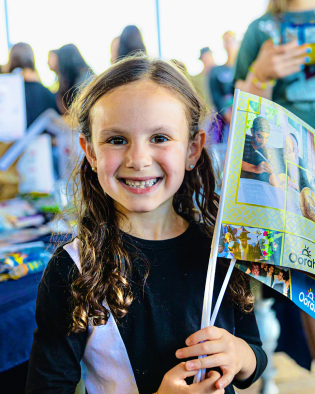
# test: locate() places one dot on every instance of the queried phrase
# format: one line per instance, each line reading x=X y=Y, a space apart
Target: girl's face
x=140 y=145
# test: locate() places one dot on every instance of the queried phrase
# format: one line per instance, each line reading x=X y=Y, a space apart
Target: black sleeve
x=54 y=365
x=246 y=328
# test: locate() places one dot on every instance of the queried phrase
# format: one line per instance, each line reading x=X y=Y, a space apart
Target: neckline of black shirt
x=192 y=231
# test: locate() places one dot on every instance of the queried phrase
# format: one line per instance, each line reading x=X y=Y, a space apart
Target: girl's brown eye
x=117 y=141
x=157 y=139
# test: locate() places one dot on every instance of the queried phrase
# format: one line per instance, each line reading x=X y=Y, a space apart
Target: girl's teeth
x=142 y=184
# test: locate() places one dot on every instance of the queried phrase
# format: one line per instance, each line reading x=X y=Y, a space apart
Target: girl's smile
x=140 y=145
x=141 y=185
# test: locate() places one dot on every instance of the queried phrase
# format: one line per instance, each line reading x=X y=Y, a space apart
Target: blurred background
x=185 y=28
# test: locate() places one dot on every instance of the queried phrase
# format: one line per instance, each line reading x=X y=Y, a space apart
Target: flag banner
x=269 y=206
x=293 y=284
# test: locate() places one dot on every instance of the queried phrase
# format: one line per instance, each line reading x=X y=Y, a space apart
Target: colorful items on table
x=25 y=261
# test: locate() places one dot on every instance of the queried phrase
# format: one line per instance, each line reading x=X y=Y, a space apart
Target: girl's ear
x=194 y=149
x=88 y=150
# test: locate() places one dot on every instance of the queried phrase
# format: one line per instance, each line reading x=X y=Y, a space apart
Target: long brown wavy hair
x=106 y=265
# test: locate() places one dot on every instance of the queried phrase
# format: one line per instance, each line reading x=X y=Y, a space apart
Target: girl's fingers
x=225 y=380
x=201 y=349
x=206 y=334
x=215 y=360
x=179 y=372
x=208 y=385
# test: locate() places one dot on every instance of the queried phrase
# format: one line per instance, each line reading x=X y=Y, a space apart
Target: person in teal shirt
x=276 y=57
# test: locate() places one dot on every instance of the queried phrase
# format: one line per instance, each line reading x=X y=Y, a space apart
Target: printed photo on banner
x=300 y=198
x=278 y=155
x=276 y=277
x=250 y=244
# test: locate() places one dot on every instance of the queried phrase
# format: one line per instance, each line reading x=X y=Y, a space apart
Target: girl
x=125 y=297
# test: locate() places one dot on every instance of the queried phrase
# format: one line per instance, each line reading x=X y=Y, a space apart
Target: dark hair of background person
x=130 y=41
x=37 y=97
x=106 y=265
x=21 y=56
x=72 y=71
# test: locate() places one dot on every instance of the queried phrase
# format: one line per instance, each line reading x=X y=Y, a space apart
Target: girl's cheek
x=108 y=163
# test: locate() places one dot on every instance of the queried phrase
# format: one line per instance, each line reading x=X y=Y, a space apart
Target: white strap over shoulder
x=105 y=365
x=73 y=248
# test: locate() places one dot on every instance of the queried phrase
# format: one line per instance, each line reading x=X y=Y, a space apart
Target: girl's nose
x=138 y=156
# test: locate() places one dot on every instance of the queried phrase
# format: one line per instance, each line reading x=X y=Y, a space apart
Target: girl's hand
x=276 y=62
x=174 y=383
x=233 y=355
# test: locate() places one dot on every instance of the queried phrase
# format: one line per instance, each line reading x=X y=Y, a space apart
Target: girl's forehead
x=138 y=103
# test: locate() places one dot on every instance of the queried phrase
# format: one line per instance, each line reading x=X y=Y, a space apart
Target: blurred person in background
x=201 y=81
x=130 y=41
x=72 y=72
x=37 y=97
x=221 y=82
x=114 y=50
x=283 y=72
x=273 y=65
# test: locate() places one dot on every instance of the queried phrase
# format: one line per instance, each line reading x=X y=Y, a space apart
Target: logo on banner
x=307 y=299
x=303 y=258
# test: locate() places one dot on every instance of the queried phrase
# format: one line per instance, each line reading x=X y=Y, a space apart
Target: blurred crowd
x=270 y=62
x=214 y=83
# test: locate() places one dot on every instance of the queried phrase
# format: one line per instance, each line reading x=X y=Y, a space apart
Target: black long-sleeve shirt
x=163 y=314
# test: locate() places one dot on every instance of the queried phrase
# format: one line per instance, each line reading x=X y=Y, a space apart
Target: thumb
x=179 y=372
x=213 y=375
x=208 y=385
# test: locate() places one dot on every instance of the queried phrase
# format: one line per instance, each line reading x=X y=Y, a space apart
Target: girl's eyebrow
x=117 y=130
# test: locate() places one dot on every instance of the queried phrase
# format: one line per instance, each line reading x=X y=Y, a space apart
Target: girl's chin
x=143 y=208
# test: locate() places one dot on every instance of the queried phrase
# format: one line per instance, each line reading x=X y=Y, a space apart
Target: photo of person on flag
x=297 y=178
x=292 y=165
x=251 y=244
x=278 y=164
x=255 y=165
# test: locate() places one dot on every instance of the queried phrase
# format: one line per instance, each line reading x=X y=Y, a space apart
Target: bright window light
x=186 y=26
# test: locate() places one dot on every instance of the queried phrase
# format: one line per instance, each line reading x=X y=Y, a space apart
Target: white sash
x=105 y=365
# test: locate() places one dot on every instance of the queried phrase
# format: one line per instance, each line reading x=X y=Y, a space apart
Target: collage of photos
x=278 y=278
x=279 y=155
x=250 y=244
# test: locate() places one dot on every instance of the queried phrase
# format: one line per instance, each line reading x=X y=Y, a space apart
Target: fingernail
x=302 y=67
x=190 y=365
x=307 y=59
x=187 y=342
x=308 y=50
x=178 y=354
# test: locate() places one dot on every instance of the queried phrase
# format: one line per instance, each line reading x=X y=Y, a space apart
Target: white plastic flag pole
x=222 y=291
x=218 y=304
x=207 y=304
